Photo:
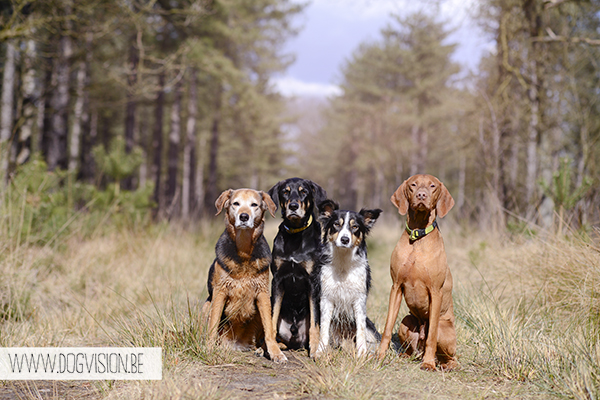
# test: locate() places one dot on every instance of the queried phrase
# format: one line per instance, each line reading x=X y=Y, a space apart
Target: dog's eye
x=337 y=225
x=236 y=204
x=413 y=184
x=432 y=186
x=354 y=229
x=254 y=205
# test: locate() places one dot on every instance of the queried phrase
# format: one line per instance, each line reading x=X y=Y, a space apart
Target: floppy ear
x=370 y=216
x=445 y=202
x=223 y=200
x=319 y=194
x=399 y=198
x=271 y=206
x=274 y=194
x=326 y=208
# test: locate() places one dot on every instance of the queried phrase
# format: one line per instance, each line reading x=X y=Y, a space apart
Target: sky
x=333 y=29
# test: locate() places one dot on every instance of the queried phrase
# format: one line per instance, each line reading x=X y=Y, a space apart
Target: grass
x=527 y=309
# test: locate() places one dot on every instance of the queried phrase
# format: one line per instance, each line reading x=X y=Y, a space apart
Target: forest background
x=160 y=105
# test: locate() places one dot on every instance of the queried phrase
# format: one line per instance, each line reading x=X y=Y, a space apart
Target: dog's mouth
x=420 y=206
x=294 y=216
x=244 y=224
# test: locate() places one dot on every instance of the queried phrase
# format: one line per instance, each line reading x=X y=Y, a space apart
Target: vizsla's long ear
x=400 y=200
x=445 y=202
x=271 y=206
x=223 y=200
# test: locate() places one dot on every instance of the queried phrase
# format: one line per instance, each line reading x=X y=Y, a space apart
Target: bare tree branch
x=552 y=37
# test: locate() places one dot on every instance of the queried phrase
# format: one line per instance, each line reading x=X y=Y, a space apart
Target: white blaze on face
x=344 y=237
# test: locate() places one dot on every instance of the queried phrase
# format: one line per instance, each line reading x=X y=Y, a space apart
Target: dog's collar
x=415 y=234
x=296 y=230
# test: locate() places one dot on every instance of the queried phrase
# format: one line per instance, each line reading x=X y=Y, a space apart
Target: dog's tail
x=372 y=335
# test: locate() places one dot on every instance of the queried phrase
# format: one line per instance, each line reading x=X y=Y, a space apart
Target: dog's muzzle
x=243 y=221
x=343 y=241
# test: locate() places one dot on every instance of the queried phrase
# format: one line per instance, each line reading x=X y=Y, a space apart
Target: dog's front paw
x=279 y=358
x=450 y=365
x=428 y=365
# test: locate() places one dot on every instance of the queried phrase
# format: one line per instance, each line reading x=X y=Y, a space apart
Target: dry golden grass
x=527 y=318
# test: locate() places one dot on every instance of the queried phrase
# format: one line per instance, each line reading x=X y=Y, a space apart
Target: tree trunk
x=143 y=141
x=199 y=188
x=80 y=104
x=88 y=166
x=534 y=19
x=57 y=146
x=45 y=117
x=6 y=117
x=28 y=109
x=130 y=108
x=211 y=189
x=157 y=143
x=173 y=154
x=190 y=146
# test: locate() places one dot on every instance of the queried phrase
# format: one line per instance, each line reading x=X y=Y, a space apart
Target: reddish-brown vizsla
x=420 y=272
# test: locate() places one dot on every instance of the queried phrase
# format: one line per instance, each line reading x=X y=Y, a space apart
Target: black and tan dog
x=295 y=252
x=238 y=305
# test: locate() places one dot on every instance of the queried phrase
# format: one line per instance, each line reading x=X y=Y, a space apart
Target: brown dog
x=420 y=272
x=239 y=303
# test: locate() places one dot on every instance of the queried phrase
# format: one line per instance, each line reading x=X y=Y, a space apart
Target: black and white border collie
x=343 y=278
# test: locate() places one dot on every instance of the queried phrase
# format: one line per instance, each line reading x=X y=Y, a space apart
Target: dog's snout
x=421 y=195
x=294 y=206
x=345 y=240
x=244 y=217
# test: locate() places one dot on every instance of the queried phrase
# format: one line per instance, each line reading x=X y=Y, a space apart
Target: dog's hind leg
x=410 y=332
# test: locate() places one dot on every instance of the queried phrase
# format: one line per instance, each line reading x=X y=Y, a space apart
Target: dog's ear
x=326 y=208
x=274 y=194
x=445 y=202
x=271 y=206
x=319 y=194
x=399 y=198
x=223 y=200
x=370 y=216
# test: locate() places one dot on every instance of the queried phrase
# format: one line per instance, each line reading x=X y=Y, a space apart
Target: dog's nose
x=421 y=195
x=345 y=240
x=244 y=217
x=294 y=206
